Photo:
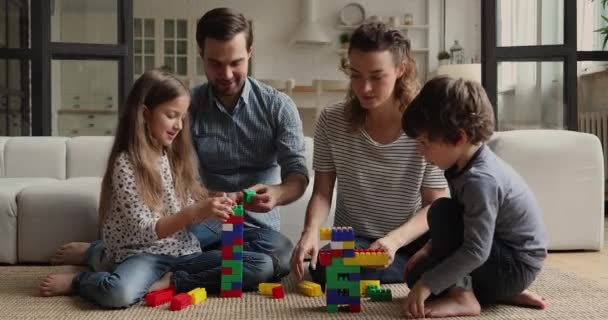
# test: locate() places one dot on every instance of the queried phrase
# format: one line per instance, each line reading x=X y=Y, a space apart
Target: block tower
x=232 y=251
x=343 y=267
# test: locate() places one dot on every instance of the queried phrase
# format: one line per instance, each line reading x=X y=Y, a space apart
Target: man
x=247 y=135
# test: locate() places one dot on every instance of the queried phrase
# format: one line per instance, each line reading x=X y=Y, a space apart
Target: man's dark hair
x=445 y=106
x=222 y=24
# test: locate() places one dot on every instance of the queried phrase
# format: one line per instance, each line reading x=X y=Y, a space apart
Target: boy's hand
x=414 y=303
x=387 y=244
x=219 y=207
x=264 y=200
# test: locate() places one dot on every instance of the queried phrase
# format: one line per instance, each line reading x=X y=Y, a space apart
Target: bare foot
x=528 y=298
x=162 y=283
x=457 y=302
x=70 y=253
x=58 y=284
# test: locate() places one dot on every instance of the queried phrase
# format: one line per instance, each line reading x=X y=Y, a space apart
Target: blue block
x=227 y=238
x=343 y=299
x=237 y=285
x=349 y=235
x=332 y=292
x=354 y=277
x=237 y=256
x=348 y=253
x=238 y=229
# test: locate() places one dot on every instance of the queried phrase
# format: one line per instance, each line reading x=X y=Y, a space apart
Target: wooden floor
x=590 y=265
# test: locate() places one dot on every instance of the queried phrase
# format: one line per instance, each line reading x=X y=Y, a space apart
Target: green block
x=234 y=264
x=332 y=272
x=232 y=278
x=337 y=262
x=382 y=295
x=332 y=308
x=237 y=248
x=248 y=195
x=238 y=210
x=371 y=290
x=353 y=287
x=226 y=286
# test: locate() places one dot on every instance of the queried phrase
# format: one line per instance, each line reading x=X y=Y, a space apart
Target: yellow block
x=348 y=245
x=325 y=234
x=198 y=295
x=266 y=288
x=366 y=283
x=309 y=288
x=371 y=259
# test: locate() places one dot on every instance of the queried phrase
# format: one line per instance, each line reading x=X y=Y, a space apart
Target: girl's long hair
x=152 y=89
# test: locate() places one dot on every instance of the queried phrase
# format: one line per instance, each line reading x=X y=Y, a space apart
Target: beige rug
x=570 y=298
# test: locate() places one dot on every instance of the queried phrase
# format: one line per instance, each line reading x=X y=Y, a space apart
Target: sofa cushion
x=565 y=170
x=40 y=157
x=52 y=215
x=88 y=156
x=9 y=189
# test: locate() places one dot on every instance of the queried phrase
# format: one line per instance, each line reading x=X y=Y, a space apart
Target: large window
x=144 y=45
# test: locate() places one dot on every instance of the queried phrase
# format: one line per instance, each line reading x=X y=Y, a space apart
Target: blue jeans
x=393 y=274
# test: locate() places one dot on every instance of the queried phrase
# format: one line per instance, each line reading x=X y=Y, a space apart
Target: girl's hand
x=219 y=207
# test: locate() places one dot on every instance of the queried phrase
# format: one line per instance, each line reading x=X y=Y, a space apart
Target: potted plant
x=443 y=57
x=604 y=30
x=344 y=40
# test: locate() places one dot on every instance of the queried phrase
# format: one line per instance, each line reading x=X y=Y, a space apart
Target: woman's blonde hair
x=376 y=36
x=152 y=89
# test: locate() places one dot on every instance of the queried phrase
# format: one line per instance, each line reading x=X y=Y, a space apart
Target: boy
x=487 y=242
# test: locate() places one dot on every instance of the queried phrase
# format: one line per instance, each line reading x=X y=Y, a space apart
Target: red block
x=180 y=302
x=237 y=241
x=159 y=297
x=227 y=252
x=278 y=292
x=337 y=253
x=235 y=220
x=236 y=293
x=354 y=308
x=325 y=258
x=227 y=271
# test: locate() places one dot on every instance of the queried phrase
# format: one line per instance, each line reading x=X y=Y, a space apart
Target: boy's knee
x=257 y=268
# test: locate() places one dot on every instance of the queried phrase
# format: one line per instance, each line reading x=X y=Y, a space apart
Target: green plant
x=442 y=55
x=604 y=30
x=345 y=37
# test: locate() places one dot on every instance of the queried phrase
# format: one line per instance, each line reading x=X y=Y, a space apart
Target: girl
x=150 y=193
x=384 y=186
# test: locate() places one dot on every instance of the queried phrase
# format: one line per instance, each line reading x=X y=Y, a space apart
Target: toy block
x=370 y=290
x=160 y=297
x=238 y=248
x=228 y=227
x=348 y=253
x=265 y=288
x=248 y=195
x=325 y=258
x=354 y=277
x=237 y=241
x=231 y=293
x=354 y=308
x=226 y=286
x=235 y=220
x=234 y=264
x=343 y=234
x=237 y=285
x=348 y=245
x=237 y=256
x=198 y=295
x=227 y=239
x=278 y=292
x=369 y=258
x=326 y=234
x=337 y=262
x=366 y=283
x=341 y=298
x=309 y=288
x=226 y=271
x=232 y=278
x=332 y=308
x=350 y=261
x=382 y=295
x=337 y=253
x=238 y=210
x=226 y=252
x=336 y=245
x=180 y=302
x=238 y=228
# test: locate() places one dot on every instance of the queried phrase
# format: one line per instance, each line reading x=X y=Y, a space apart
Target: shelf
x=420 y=50
x=401 y=27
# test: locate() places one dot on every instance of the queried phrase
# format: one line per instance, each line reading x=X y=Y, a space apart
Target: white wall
x=463 y=23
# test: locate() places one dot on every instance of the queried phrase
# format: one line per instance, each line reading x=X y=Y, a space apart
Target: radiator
x=596 y=123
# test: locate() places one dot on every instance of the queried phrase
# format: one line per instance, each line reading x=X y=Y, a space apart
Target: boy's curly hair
x=445 y=106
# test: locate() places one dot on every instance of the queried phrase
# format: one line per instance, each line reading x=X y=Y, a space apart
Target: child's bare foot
x=162 y=283
x=70 y=253
x=457 y=302
x=58 y=284
x=528 y=298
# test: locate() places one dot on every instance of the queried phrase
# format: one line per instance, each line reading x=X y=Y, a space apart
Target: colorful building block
x=231 y=293
x=366 y=283
x=381 y=294
x=309 y=288
x=160 y=297
x=278 y=292
x=232 y=254
x=180 y=302
x=325 y=234
x=198 y=295
x=265 y=288
x=248 y=195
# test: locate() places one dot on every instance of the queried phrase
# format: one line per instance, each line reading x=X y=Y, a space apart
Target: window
x=143 y=45
x=176 y=46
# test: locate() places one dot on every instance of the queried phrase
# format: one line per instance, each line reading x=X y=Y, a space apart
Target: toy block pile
x=343 y=268
x=275 y=290
x=178 y=302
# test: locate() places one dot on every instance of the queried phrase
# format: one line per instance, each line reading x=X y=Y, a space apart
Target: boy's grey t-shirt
x=498 y=206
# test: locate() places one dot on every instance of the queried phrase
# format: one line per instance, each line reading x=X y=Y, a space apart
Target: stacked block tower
x=343 y=267
x=232 y=251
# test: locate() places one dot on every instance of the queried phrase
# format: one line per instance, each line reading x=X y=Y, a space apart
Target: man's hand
x=389 y=245
x=264 y=200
